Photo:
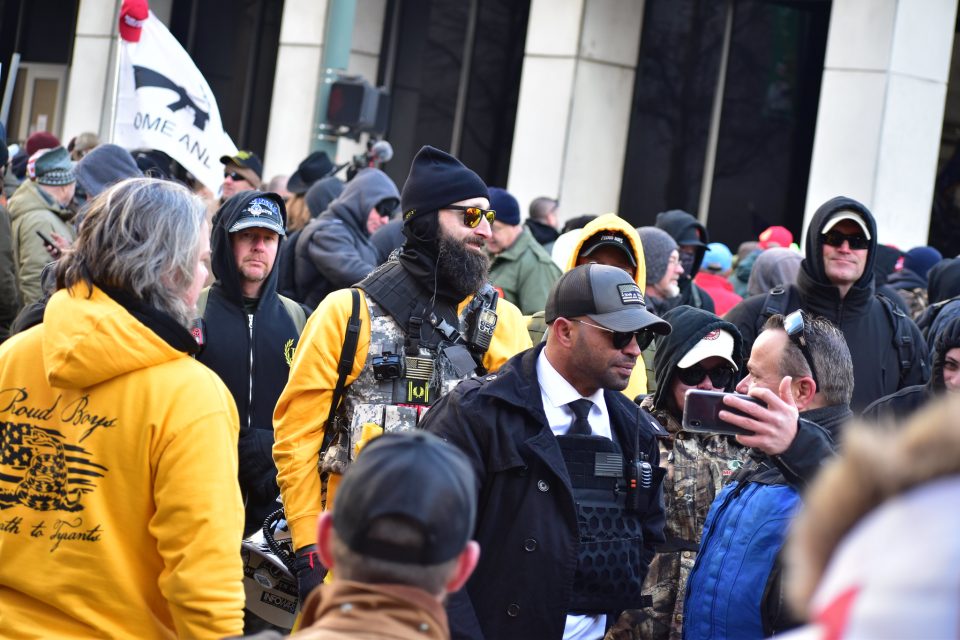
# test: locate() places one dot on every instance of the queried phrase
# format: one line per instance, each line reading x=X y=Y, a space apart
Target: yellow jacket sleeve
x=510 y=337
x=301 y=413
x=198 y=532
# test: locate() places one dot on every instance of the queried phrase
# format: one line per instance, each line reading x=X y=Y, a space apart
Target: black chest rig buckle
x=610 y=566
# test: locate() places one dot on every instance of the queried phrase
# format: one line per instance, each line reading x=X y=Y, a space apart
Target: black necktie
x=580 y=425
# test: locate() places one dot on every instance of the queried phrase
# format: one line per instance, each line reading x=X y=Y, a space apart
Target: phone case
x=701 y=412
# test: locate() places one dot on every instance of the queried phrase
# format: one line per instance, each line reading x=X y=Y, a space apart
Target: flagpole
x=110 y=97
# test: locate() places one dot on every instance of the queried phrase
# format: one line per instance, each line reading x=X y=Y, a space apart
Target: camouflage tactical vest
x=393 y=390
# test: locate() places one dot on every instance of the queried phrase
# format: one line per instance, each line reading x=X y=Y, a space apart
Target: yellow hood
x=90 y=338
x=612 y=222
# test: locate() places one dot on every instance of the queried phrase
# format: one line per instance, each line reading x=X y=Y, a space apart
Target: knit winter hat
x=107 y=164
x=506 y=206
x=920 y=259
x=41 y=140
x=51 y=167
x=657 y=247
x=437 y=179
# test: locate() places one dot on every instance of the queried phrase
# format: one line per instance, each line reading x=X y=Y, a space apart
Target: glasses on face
x=472 y=215
x=621 y=339
x=720 y=377
x=386 y=208
x=855 y=241
x=793 y=324
x=233 y=175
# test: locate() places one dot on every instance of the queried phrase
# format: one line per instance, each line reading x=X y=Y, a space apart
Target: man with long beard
x=419 y=324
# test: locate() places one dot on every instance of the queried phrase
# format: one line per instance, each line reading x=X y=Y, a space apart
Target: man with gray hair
x=544 y=221
x=118 y=451
x=800 y=369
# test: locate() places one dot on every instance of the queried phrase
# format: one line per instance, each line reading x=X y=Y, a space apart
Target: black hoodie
x=234 y=340
x=682 y=226
x=899 y=405
x=866 y=325
x=689 y=325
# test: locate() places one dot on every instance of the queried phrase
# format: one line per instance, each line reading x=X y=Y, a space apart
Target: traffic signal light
x=358 y=106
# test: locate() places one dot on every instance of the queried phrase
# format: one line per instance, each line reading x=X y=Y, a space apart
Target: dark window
x=767 y=122
x=945 y=217
x=425 y=58
x=234 y=43
x=41 y=32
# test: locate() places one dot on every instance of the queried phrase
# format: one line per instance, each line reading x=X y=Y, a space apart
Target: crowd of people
x=447 y=420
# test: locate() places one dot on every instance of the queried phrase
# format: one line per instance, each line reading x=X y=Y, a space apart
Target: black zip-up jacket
x=250 y=354
x=865 y=324
x=527 y=519
x=898 y=406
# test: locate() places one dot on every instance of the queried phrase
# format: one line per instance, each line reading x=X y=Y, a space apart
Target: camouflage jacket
x=698 y=465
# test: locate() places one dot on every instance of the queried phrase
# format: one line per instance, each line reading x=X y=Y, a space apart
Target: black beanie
x=437 y=179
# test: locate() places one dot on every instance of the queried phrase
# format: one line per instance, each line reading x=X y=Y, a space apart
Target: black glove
x=310 y=571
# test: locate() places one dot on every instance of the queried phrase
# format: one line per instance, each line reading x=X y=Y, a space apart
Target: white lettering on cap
x=630 y=293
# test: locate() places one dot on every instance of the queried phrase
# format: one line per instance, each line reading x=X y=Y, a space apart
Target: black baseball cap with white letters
x=607 y=295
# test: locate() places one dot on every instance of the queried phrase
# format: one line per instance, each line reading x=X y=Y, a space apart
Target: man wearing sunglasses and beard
x=420 y=323
x=569 y=482
x=701 y=352
x=836 y=282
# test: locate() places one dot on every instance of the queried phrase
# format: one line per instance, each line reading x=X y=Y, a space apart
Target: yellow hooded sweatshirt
x=613 y=222
x=120 y=513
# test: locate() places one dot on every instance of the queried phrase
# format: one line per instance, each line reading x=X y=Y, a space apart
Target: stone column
x=87 y=106
x=573 y=113
x=881 y=111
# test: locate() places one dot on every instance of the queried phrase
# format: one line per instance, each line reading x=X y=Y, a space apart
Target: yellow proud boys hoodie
x=120 y=514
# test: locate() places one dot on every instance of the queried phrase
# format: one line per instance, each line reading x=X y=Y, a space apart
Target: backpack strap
x=348 y=354
x=296 y=312
x=902 y=338
x=775 y=303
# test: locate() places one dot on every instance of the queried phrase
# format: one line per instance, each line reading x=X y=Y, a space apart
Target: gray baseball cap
x=607 y=295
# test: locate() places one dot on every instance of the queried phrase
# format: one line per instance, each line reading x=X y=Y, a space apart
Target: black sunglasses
x=720 y=377
x=793 y=324
x=472 y=215
x=233 y=175
x=386 y=207
x=621 y=339
x=856 y=241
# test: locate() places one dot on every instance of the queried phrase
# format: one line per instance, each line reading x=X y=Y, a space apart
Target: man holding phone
x=800 y=368
x=702 y=352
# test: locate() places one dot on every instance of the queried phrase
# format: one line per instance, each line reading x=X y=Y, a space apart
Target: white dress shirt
x=556 y=393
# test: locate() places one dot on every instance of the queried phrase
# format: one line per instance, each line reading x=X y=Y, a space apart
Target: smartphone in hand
x=49 y=244
x=701 y=412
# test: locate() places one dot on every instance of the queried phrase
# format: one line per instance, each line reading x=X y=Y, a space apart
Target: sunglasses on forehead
x=621 y=339
x=720 y=377
x=855 y=241
x=472 y=215
x=793 y=324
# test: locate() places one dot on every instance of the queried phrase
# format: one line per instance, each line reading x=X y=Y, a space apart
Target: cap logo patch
x=713 y=335
x=261 y=206
x=608 y=238
x=630 y=293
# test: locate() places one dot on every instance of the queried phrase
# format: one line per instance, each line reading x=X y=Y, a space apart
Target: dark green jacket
x=525 y=272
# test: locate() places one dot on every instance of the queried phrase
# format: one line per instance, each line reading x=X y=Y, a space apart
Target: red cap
x=776 y=237
x=132 y=15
